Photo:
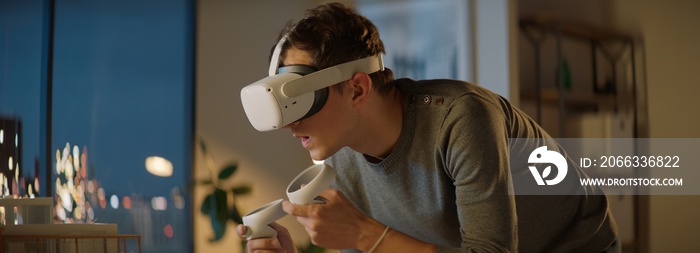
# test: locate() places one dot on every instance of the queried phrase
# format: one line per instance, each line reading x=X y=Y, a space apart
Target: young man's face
x=323 y=133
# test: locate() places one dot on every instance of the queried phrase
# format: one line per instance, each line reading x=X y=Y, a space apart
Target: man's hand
x=337 y=224
x=281 y=244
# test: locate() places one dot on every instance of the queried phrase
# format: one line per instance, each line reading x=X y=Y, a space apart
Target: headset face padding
x=320 y=95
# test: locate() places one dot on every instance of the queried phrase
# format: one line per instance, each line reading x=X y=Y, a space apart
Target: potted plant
x=216 y=203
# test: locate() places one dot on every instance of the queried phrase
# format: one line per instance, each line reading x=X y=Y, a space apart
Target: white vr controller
x=314 y=179
x=291 y=93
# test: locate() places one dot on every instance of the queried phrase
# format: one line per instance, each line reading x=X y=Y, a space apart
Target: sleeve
x=474 y=147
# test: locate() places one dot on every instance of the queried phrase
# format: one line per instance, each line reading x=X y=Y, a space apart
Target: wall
x=672 y=60
x=234 y=39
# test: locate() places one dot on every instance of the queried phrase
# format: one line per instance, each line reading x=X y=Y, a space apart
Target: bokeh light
x=126 y=202
x=159 y=203
x=159 y=166
x=178 y=199
x=168 y=230
x=114 y=201
x=79 y=199
x=90 y=213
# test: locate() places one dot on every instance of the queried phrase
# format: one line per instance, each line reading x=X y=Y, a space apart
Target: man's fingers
x=281 y=230
x=241 y=229
x=282 y=234
x=296 y=210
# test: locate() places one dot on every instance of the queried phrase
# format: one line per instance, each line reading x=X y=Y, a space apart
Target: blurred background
x=129 y=111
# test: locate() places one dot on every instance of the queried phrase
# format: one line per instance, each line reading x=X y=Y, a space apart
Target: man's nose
x=293 y=124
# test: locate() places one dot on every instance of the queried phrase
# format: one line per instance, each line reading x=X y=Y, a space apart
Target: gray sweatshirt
x=448 y=180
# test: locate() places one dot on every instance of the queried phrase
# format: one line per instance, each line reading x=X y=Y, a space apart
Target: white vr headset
x=295 y=92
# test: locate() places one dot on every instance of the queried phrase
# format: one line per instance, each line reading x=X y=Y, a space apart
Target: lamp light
x=159 y=166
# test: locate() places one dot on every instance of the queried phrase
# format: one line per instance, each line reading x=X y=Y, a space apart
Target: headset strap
x=332 y=75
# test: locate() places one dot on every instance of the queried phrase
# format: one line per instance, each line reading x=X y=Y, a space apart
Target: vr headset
x=292 y=93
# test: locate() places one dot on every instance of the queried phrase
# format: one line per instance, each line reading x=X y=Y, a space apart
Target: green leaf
x=221 y=204
x=241 y=190
x=219 y=230
x=228 y=171
x=207 y=204
x=218 y=214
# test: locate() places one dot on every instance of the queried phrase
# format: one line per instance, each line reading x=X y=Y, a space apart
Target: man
x=422 y=166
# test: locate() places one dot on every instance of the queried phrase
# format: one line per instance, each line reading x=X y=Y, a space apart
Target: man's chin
x=317 y=155
x=318 y=158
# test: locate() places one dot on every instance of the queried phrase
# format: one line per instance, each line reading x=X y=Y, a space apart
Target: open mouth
x=304 y=140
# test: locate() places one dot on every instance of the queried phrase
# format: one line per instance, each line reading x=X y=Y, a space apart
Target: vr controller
x=315 y=179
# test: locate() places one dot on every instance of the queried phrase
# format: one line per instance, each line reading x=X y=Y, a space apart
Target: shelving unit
x=610 y=96
x=615 y=99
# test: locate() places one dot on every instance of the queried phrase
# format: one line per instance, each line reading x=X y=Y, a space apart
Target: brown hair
x=334 y=34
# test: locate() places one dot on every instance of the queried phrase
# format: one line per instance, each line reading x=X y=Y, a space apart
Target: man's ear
x=361 y=86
